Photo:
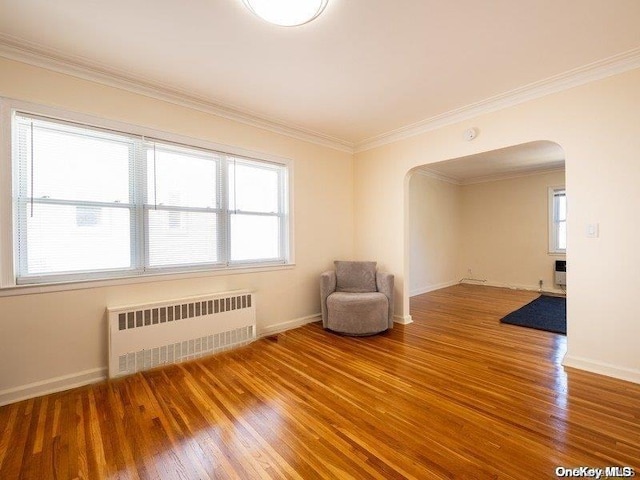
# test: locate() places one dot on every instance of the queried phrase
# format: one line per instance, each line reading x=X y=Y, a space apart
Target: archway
x=483 y=218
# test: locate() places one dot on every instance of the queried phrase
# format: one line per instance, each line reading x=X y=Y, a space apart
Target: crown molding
x=427 y=172
x=37 y=55
x=598 y=70
x=552 y=167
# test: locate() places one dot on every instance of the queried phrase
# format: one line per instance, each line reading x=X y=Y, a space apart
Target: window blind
x=256 y=208
x=74 y=203
x=183 y=208
x=92 y=202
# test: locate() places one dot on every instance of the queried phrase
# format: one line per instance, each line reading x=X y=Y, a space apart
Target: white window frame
x=554 y=249
x=8 y=258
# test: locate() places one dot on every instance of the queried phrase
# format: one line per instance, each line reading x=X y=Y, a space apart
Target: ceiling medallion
x=286 y=13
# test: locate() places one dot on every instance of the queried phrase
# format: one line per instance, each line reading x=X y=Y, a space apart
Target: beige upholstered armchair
x=356 y=299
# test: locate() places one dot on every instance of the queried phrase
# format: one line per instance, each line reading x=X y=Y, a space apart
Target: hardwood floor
x=453 y=395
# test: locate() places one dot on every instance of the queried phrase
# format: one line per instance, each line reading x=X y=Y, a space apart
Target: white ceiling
x=362 y=69
x=515 y=161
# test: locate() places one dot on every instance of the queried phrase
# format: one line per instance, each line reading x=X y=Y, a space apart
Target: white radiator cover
x=560 y=273
x=152 y=334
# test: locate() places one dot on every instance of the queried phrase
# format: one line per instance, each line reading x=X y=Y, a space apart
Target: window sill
x=557 y=254
x=111 y=282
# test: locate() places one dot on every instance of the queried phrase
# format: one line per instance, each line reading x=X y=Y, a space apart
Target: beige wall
x=506 y=234
x=598 y=126
x=358 y=207
x=435 y=233
x=48 y=335
x=496 y=229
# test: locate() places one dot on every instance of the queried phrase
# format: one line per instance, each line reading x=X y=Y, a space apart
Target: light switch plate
x=593 y=230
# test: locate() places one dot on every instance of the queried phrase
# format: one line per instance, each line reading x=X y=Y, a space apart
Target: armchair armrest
x=384 y=284
x=327 y=287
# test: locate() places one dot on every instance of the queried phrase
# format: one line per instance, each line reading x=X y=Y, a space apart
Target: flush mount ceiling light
x=286 y=13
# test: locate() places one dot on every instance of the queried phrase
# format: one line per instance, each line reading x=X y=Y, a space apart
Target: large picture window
x=97 y=203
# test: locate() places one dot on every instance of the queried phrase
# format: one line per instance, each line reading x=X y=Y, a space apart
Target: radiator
x=560 y=273
x=148 y=335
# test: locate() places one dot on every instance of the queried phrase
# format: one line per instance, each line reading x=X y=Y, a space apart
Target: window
x=97 y=203
x=557 y=220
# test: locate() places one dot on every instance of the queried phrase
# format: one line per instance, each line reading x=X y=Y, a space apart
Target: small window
x=557 y=220
x=95 y=203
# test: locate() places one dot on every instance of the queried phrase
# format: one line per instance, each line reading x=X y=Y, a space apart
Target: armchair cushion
x=358 y=313
x=355 y=277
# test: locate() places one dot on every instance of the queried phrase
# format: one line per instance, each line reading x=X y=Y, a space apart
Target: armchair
x=356 y=299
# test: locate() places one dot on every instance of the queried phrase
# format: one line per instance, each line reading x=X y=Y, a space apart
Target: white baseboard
x=514 y=286
x=86 y=377
x=431 y=288
x=402 y=320
x=622 y=373
x=52 y=385
x=288 y=325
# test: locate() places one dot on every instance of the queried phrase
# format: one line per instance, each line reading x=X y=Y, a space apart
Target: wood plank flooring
x=453 y=395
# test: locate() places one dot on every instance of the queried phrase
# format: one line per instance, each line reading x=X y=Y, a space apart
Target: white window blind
x=74 y=201
x=93 y=203
x=183 y=207
x=256 y=205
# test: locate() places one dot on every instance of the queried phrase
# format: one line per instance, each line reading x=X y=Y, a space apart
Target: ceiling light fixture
x=286 y=13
